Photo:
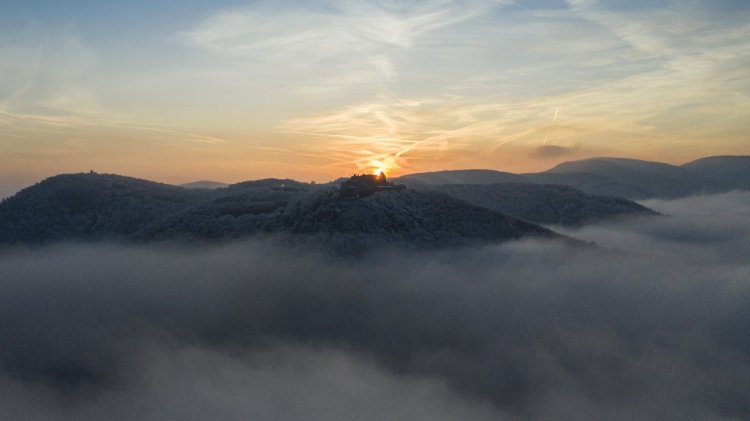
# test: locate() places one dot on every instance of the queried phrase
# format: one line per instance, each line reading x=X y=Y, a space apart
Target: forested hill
x=545 y=203
x=89 y=206
x=84 y=207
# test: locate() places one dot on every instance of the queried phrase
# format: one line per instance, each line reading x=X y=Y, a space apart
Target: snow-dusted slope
x=81 y=207
x=545 y=203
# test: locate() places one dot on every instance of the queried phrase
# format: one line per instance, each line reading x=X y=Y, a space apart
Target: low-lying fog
x=652 y=324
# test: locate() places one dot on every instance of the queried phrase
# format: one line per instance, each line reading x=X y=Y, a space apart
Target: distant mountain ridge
x=461 y=177
x=205 y=184
x=728 y=171
x=629 y=178
x=620 y=177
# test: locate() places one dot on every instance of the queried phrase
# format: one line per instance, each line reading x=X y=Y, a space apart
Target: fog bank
x=652 y=324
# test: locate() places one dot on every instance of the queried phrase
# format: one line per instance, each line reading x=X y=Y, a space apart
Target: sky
x=315 y=90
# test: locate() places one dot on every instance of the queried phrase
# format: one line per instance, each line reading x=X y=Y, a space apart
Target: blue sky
x=237 y=89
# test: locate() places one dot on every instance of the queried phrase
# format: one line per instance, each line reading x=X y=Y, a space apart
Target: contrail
x=554 y=120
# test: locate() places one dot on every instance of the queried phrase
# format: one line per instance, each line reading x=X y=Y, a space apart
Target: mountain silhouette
x=85 y=207
x=620 y=177
x=729 y=172
x=460 y=177
x=89 y=206
x=545 y=203
x=439 y=209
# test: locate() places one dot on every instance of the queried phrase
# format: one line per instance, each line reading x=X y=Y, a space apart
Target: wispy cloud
x=345 y=35
x=677 y=89
x=49 y=72
x=621 y=116
x=413 y=85
x=28 y=123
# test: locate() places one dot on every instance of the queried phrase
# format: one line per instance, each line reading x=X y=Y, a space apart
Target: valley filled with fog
x=650 y=322
x=418 y=210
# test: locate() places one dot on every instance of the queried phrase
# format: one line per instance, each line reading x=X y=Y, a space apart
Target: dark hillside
x=629 y=178
x=84 y=207
x=546 y=203
x=410 y=218
x=729 y=172
x=89 y=206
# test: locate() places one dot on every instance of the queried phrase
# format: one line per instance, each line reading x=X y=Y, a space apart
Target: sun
x=379 y=170
x=384 y=165
x=379 y=166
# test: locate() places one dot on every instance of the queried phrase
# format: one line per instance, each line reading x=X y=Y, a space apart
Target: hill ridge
x=85 y=207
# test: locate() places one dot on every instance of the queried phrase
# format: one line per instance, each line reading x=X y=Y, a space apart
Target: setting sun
x=382 y=165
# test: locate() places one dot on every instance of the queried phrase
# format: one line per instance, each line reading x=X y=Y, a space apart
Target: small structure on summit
x=284 y=187
x=368 y=184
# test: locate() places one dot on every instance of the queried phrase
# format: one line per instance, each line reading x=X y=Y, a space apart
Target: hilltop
x=86 y=207
x=461 y=177
x=619 y=177
x=205 y=184
x=730 y=172
x=89 y=206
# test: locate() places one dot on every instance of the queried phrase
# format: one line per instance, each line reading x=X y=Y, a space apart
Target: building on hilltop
x=368 y=184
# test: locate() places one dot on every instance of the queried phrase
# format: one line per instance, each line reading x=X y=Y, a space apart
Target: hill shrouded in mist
x=620 y=177
x=81 y=207
x=374 y=210
x=441 y=208
x=628 y=178
x=123 y=315
x=88 y=206
x=731 y=172
x=545 y=203
x=652 y=325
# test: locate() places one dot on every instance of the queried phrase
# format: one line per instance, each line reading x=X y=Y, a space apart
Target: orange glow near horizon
x=377 y=166
x=359 y=87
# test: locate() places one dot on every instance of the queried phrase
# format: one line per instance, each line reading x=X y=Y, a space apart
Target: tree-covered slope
x=419 y=218
x=545 y=203
x=89 y=206
x=82 y=207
